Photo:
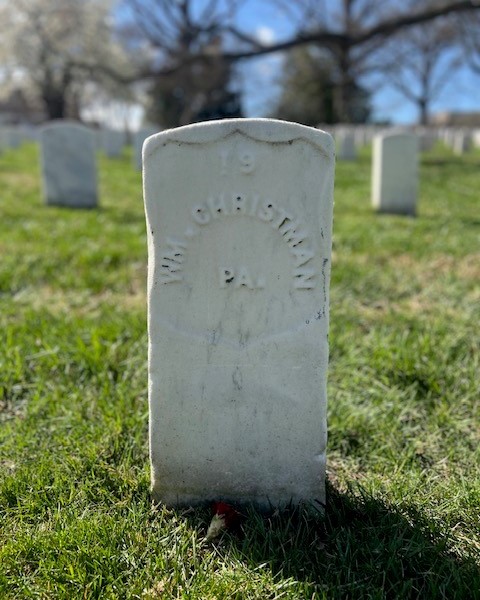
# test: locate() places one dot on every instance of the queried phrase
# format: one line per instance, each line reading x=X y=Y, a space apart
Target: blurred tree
x=420 y=62
x=469 y=34
x=310 y=90
x=194 y=92
x=53 y=47
x=181 y=44
x=354 y=32
x=307 y=84
x=184 y=51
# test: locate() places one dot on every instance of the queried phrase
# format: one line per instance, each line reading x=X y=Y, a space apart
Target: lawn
x=403 y=499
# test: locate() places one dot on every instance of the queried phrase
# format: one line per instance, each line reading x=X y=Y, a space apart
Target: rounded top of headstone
x=61 y=123
x=272 y=131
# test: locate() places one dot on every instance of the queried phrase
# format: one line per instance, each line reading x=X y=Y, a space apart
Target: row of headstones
x=70 y=177
x=394 y=169
x=110 y=141
x=349 y=139
x=68 y=159
x=13 y=137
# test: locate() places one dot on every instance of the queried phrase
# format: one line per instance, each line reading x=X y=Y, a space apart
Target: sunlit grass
x=402 y=517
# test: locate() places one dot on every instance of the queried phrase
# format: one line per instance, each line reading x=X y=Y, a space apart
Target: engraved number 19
x=243 y=160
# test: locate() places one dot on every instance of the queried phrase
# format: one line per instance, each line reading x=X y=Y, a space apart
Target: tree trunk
x=55 y=104
x=54 y=94
x=423 y=108
x=344 y=87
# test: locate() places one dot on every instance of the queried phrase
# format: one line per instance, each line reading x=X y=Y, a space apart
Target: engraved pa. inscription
x=241 y=277
x=223 y=207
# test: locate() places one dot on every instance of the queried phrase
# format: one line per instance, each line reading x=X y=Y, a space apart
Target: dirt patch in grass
x=12 y=408
x=429 y=302
x=21 y=180
x=80 y=303
x=467 y=267
x=419 y=286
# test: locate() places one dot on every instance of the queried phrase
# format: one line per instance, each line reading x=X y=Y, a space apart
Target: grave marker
x=461 y=142
x=394 y=173
x=345 y=144
x=476 y=138
x=113 y=142
x=239 y=217
x=12 y=137
x=68 y=165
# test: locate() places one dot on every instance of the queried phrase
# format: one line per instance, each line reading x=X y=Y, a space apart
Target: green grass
x=403 y=507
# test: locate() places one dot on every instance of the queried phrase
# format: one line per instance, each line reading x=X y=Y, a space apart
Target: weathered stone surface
x=394 y=173
x=68 y=165
x=239 y=217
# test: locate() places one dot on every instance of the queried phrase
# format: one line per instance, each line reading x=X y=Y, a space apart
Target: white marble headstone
x=461 y=142
x=476 y=138
x=395 y=173
x=360 y=137
x=426 y=141
x=113 y=142
x=345 y=140
x=239 y=217
x=29 y=133
x=68 y=164
x=12 y=137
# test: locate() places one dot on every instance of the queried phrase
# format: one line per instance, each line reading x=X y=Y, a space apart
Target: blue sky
x=260 y=76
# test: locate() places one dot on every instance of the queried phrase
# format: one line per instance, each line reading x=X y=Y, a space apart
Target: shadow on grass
x=361 y=548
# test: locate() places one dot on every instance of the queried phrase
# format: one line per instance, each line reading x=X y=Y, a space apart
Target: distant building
x=461 y=119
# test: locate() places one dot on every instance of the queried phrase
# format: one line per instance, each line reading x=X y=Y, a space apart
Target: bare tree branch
x=323 y=36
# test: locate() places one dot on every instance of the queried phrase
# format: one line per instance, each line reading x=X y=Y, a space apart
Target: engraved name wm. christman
x=246 y=205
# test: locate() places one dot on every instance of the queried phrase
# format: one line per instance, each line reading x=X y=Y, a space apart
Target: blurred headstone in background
x=395 y=173
x=461 y=142
x=345 y=141
x=113 y=142
x=68 y=165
